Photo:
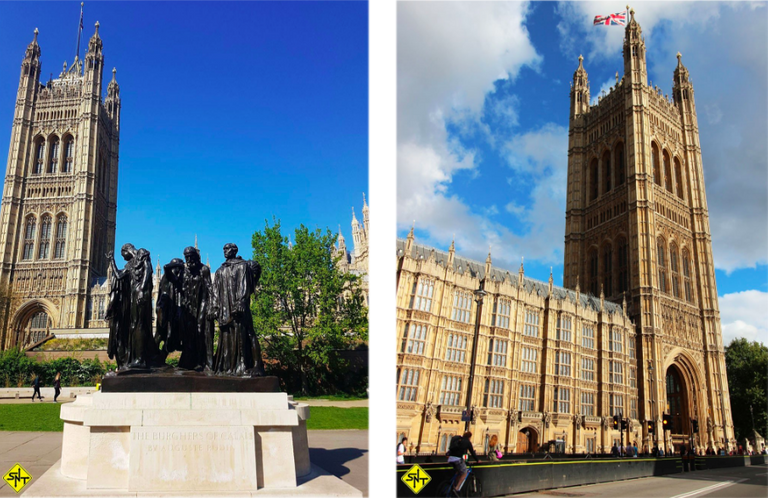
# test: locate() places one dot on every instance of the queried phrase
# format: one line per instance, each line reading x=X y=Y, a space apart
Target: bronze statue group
x=188 y=303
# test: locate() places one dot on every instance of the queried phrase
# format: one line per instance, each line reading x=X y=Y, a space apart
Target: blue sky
x=232 y=113
x=483 y=102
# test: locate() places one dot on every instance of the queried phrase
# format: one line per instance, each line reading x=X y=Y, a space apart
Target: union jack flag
x=618 y=19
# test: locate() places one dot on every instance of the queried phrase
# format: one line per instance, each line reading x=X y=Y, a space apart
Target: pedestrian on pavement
x=634 y=448
x=56 y=386
x=615 y=451
x=661 y=452
x=36 y=385
x=494 y=449
x=684 y=457
x=401 y=450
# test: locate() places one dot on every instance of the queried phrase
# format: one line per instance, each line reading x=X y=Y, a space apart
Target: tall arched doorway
x=34 y=328
x=678 y=406
x=527 y=441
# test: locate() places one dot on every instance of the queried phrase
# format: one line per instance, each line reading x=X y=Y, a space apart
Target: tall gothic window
x=608 y=270
x=687 y=276
x=29 y=238
x=679 y=179
x=674 y=269
x=53 y=159
x=61 y=236
x=69 y=155
x=593 y=180
x=593 y=278
x=607 y=170
x=620 y=167
x=660 y=256
x=667 y=172
x=623 y=265
x=656 y=166
x=40 y=158
x=45 y=237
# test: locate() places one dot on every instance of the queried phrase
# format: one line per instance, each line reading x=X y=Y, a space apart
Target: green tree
x=306 y=309
x=747 y=366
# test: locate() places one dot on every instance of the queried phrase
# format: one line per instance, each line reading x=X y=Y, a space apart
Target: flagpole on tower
x=79 y=32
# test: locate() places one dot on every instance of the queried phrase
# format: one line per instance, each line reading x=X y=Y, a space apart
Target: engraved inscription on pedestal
x=177 y=458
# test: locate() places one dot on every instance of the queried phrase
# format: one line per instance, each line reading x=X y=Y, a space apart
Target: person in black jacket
x=57 y=386
x=458 y=448
x=36 y=385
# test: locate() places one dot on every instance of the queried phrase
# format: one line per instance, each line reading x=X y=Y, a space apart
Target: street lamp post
x=479 y=295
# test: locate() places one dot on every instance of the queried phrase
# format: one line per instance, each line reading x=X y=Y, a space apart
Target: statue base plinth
x=189 y=443
x=188 y=381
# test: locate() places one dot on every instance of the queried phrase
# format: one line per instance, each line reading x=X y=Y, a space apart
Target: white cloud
x=449 y=55
x=744 y=314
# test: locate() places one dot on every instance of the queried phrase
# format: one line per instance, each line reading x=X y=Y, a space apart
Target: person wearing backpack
x=460 y=446
x=401 y=450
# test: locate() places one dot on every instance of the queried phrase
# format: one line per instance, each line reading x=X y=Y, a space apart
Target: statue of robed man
x=168 y=308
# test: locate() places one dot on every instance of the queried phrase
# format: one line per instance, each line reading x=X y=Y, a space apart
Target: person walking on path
x=36 y=385
x=56 y=386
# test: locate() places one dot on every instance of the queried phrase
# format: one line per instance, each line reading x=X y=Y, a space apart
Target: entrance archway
x=32 y=322
x=678 y=404
x=527 y=441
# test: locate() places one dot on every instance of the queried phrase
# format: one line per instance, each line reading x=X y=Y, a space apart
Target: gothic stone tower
x=637 y=225
x=59 y=201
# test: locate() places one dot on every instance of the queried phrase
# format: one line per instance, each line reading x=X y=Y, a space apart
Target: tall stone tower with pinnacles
x=57 y=220
x=637 y=227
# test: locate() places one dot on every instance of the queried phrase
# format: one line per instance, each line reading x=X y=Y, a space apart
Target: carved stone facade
x=556 y=363
x=57 y=219
x=637 y=225
x=545 y=357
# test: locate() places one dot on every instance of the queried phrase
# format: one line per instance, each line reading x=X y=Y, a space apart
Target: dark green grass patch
x=331 y=397
x=32 y=417
x=331 y=417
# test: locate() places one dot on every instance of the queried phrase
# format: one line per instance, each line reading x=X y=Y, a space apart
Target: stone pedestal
x=191 y=442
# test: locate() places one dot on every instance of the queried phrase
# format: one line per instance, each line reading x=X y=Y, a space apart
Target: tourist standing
x=494 y=449
x=401 y=450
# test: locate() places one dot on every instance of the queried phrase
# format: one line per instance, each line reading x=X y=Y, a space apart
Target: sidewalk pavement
x=342 y=453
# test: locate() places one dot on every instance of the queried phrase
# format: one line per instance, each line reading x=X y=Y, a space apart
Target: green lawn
x=31 y=417
x=331 y=417
x=45 y=417
x=331 y=397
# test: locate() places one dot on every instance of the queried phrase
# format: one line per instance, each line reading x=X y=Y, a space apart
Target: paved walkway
x=342 y=453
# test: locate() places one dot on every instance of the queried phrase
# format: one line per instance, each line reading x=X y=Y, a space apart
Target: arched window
x=29 y=238
x=53 y=158
x=40 y=158
x=674 y=269
x=45 y=237
x=608 y=270
x=655 y=161
x=38 y=327
x=621 y=172
x=679 y=179
x=607 y=171
x=61 y=237
x=661 y=249
x=667 y=172
x=69 y=155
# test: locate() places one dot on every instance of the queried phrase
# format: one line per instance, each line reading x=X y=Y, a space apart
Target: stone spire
x=488 y=263
x=196 y=242
x=580 y=90
x=634 y=52
x=602 y=298
x=409 y=240
x=366 y=210
x=33 y=49
x=551 y=282
x=578 y=290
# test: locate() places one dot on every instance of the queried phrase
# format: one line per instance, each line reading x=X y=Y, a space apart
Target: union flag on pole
x=617 y=19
